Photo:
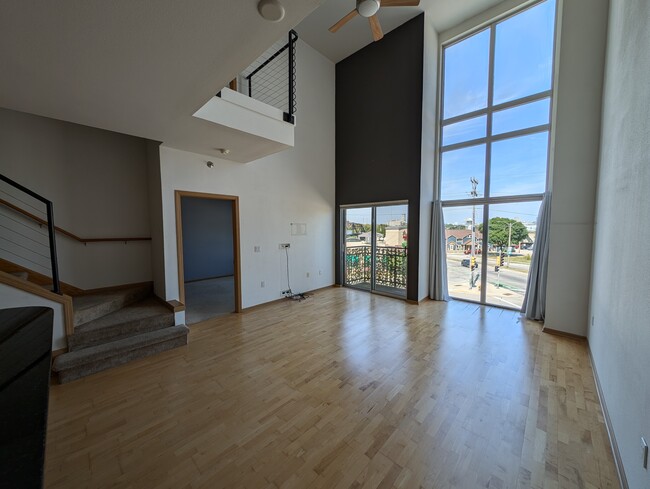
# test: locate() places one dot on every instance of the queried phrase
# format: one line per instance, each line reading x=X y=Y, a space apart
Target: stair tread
x=143 y=309
x=106 y=350
x=90 y=307
x=82 y=302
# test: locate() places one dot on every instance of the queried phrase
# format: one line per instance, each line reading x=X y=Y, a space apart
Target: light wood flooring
x=343 y=390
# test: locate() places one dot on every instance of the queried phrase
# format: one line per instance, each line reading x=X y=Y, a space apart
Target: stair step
x=139 y=317
x=93 y=306
x=86 y=361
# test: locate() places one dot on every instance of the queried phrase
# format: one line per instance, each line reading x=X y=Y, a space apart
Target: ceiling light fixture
x=271 y=10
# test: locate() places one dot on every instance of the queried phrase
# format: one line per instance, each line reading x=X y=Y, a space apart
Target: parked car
x=465 y=263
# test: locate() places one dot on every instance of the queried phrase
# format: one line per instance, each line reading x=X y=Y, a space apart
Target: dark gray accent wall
x=207 y=238
x=379 y=130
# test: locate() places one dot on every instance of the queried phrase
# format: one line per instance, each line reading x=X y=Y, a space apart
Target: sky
x=522 y=66
x=385 y=214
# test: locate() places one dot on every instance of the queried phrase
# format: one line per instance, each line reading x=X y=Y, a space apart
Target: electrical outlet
x=285 y=245
x=262 y=284
x=320 y=272
x=257 y=249
x=307 y=274
x=285 y=292
x=592 y=320
x=644 y=453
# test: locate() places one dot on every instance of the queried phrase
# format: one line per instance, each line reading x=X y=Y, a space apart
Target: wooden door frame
x=178 y=195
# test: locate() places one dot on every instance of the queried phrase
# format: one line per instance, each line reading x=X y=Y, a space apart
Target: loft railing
x=271 y=78
x=49 y=222
x=390 y=266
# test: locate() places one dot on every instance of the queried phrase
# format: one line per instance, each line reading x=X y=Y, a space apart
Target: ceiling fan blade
x=344 y=21
x=377 y=34
x=400 y=3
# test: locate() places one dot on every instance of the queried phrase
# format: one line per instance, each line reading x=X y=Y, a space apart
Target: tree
x=498 y=231
x=455 y=226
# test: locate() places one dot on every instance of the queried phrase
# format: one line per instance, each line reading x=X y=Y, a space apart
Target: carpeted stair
x=114 y=328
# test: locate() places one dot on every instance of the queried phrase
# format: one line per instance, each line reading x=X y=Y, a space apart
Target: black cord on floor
x=296 y=297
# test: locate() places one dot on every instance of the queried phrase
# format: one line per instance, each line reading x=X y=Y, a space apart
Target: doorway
x=375 y=247
x=207 y=229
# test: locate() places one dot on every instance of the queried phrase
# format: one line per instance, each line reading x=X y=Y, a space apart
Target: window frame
x=486 y=200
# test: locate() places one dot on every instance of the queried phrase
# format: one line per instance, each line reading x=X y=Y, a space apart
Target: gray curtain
x=438 y=279
x=535 y=300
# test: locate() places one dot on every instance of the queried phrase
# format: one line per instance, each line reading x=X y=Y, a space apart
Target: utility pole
x=509 y=238
x=472 y=260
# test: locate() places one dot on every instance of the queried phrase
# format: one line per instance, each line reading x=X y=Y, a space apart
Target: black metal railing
x=49 y=211
x=390 y=266
x=272 y=77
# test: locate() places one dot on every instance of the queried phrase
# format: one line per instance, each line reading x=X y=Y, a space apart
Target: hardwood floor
x=346 y=389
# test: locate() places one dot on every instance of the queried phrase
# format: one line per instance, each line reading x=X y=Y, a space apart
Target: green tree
x=381 y=229
x=498 y=231
x=455 y=226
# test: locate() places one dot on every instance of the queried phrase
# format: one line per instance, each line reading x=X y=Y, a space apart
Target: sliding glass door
x=375 y=248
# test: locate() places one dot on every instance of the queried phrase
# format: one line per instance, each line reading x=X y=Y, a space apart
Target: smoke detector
x=271 y=10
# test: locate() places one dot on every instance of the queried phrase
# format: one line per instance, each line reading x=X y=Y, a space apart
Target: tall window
x=494 y=152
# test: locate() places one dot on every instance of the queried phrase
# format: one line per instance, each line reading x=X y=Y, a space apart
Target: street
x=506 y=288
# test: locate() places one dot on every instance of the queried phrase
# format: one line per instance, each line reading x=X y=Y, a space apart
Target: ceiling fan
x=368 y=9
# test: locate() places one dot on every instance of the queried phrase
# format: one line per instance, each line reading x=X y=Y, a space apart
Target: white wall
x=155 y=218
x=579 y=74
x=12 y=297
x=98 y=183
x=429 y=115
x=620 y=336
x=296 y=185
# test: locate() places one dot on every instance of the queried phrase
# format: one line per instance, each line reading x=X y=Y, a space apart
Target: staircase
x=113 y=328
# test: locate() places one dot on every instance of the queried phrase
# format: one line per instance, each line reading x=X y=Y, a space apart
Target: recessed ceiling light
x=271 y=10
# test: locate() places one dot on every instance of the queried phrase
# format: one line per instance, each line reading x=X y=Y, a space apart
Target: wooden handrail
x=63 y=231
x=32 y=288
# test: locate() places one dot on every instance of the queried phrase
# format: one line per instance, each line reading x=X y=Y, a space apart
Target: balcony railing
x=271 y=78
x=390 y=267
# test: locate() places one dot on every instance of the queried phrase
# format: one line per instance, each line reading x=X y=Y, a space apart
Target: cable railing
x=36 y=246
x=271 y=79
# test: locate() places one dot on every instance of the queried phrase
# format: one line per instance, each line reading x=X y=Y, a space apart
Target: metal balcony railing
x=390 y=267
x=25 y=243
x=271 y=78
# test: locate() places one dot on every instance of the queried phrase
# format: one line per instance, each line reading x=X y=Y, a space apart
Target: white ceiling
x=137 y=67
x=144 y=67
x=443 y=14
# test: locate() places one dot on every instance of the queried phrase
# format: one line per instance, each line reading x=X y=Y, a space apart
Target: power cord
x=289 y=293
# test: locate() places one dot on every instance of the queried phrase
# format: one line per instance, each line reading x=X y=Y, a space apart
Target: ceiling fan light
x=271 y=10
x=367 y=8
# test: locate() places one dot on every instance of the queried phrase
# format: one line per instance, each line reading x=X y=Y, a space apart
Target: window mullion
x=488 y=166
